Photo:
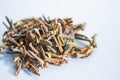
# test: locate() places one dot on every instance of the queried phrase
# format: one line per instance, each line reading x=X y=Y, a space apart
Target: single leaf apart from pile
x=40 y=42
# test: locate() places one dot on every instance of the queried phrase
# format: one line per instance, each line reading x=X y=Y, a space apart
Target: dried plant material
x=41 y=42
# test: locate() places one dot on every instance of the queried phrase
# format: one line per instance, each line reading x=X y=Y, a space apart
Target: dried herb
x=41 y=42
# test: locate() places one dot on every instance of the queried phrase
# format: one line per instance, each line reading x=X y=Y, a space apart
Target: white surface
x=102 y=17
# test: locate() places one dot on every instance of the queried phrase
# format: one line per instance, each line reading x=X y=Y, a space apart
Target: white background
x=102 y=17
